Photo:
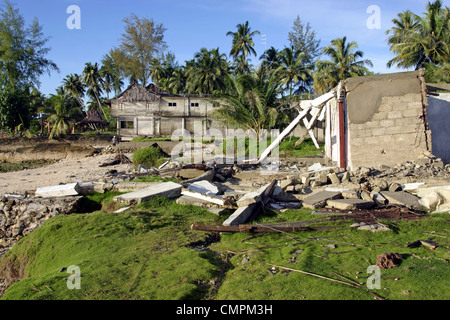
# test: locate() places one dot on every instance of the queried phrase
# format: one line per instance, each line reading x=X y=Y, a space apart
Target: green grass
x=146 y=253
x=154 y=178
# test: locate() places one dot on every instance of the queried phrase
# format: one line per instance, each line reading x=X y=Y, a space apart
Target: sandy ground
x=64 y=171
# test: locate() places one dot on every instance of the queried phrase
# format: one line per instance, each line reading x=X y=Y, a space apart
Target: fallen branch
x=326 y=278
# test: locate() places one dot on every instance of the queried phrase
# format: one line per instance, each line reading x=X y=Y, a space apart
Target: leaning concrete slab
x=63 y=190
x=350 y=204
x=165 y=189
x=242 y=214
x=319 y=199
x=402 y=198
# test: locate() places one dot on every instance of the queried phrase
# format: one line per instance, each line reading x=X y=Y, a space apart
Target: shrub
x=150 y=156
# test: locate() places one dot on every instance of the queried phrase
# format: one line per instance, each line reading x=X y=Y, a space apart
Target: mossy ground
x=150 y=252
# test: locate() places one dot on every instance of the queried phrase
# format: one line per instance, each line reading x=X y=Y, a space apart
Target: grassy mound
x=149 y=252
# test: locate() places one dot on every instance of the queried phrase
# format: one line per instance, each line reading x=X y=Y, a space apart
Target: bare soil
x=64 y=171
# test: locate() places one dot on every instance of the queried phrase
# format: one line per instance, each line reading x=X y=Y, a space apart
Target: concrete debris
x=350 y=204
x=319 y=199
x=402 y=198
x=374 y=227
x=166 y=189
x=64 y=190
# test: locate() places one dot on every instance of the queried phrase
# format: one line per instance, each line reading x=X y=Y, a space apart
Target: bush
x=150 y=156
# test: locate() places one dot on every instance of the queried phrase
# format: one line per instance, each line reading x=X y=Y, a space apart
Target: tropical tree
x=64 y=110
x=270 y=58
x=141 y=43
x=23 y=59
x=302 y=38
x=177 y=82
x=417 y=41
x=207 y=72
x=242 y=44
x=93 y=81
x=293 y=69
x=73 y=85
x=111 y=74
x=250 y=102
x=345 y=62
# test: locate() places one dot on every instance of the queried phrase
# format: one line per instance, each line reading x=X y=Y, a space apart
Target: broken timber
x=315 y=104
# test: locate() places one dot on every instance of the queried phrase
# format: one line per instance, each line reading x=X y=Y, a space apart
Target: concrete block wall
x=395 y=134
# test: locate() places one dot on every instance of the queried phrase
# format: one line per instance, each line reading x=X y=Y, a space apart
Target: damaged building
x=383 y=119
x=151 y=111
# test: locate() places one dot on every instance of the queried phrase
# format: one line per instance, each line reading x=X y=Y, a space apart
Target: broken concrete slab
x=243 y=214
x=319 y=199
x=402 y=198
x=165 y=189
x=350 y=204
x=207 y=197
x=207 y=205
x=374 y=227
x=378 y=198
x=122 y=210
x=62 y=190
x=204 y=187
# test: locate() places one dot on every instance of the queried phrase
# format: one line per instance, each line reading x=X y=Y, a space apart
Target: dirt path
x=64 y=171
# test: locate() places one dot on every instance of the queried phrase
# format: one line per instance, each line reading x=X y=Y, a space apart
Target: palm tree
x=242 y=43
x=418 y=41
x=111 y=75
x=177 y=82
x=73 y=85
x=250 y=102
x=64 y=110
x=270 y=58
x=345 y=63
x=207 y=72
x=93 y=81
x=293 y=69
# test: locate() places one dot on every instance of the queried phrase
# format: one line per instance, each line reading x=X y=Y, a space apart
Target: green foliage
x=150 y=156
x=420 y=40
x=344 y=63
x=14 y=108
x=251 y=102
x=141 y=43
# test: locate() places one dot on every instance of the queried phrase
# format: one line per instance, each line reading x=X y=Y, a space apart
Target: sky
x=195 y=24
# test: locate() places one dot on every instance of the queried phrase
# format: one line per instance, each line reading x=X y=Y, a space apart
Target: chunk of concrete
x=334 y=178
x=319 y=199
x=402 y=198
x=166 y=189
x=242 y=214
x=63 y=190
x=350 y=204
x=204 y=187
